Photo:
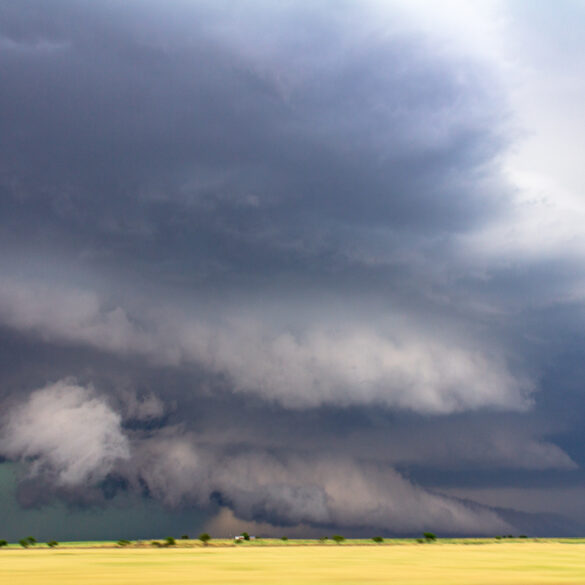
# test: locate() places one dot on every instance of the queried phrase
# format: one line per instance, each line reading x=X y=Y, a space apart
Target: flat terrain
x=501 y=563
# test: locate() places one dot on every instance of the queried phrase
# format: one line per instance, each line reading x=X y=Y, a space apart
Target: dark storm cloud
x=137 y=135
x=239 y=267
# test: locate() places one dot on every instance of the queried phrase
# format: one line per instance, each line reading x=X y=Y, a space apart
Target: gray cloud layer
x=273 y=258
x=326 y=363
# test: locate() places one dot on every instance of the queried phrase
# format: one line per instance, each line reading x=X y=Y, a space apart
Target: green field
x=488 y=563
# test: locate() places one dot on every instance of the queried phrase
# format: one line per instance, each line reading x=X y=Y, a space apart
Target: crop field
x=451 y=563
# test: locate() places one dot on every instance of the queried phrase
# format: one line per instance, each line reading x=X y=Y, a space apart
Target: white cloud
x=58 y=313
x=357 y=365
x=67 y=433
x=409 y=368
x=538 y=57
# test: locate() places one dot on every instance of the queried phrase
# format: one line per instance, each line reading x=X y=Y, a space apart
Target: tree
x=24 y=543
x=185 y=537
x=170 y=541
x=246 y=536
x=378 y=539
x=123 y=542
x=338 y=538
x=204 y=538
x=52 y=543
x=429 y=536
x=3 y=543
x=285 y=538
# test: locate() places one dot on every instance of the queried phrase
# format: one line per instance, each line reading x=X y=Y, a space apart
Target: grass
x=482 y=562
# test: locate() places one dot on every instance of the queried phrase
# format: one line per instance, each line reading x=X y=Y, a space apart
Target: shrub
x=429 y=536
x=285 y=538
x=421 y=540
x=378 y=539
x=323 y=539
x=204 y=538
x=338 y=538
x=31 y=540
x=3 y=543
x=156 y=543
x=170 y=541
x=52 y=543
x=184 y=537
x=123 y=542
x=24 y=543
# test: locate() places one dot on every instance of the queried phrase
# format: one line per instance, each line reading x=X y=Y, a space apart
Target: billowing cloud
x=66 y=433
x=324 y=364
x=292 y=253
x=324 y=492
x=289 y=490
x=71 y=438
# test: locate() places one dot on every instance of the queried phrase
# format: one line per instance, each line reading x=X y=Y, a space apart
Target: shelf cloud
x=284 y=264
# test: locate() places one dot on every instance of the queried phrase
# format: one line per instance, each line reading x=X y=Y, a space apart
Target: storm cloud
x=314 y=266
x=65 y=433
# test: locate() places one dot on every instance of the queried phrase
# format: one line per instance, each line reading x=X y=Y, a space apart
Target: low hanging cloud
x=68 y=438
x=406 y=368
x=289 y=490
x=359 y=365
x=343 y=493
x=68 y=435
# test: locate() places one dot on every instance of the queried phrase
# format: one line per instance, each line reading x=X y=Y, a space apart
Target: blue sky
x=292 y=266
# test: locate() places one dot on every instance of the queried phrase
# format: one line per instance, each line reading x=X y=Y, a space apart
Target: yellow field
x=529 y=563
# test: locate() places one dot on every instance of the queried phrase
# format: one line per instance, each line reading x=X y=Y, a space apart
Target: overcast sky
x=292 y=267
